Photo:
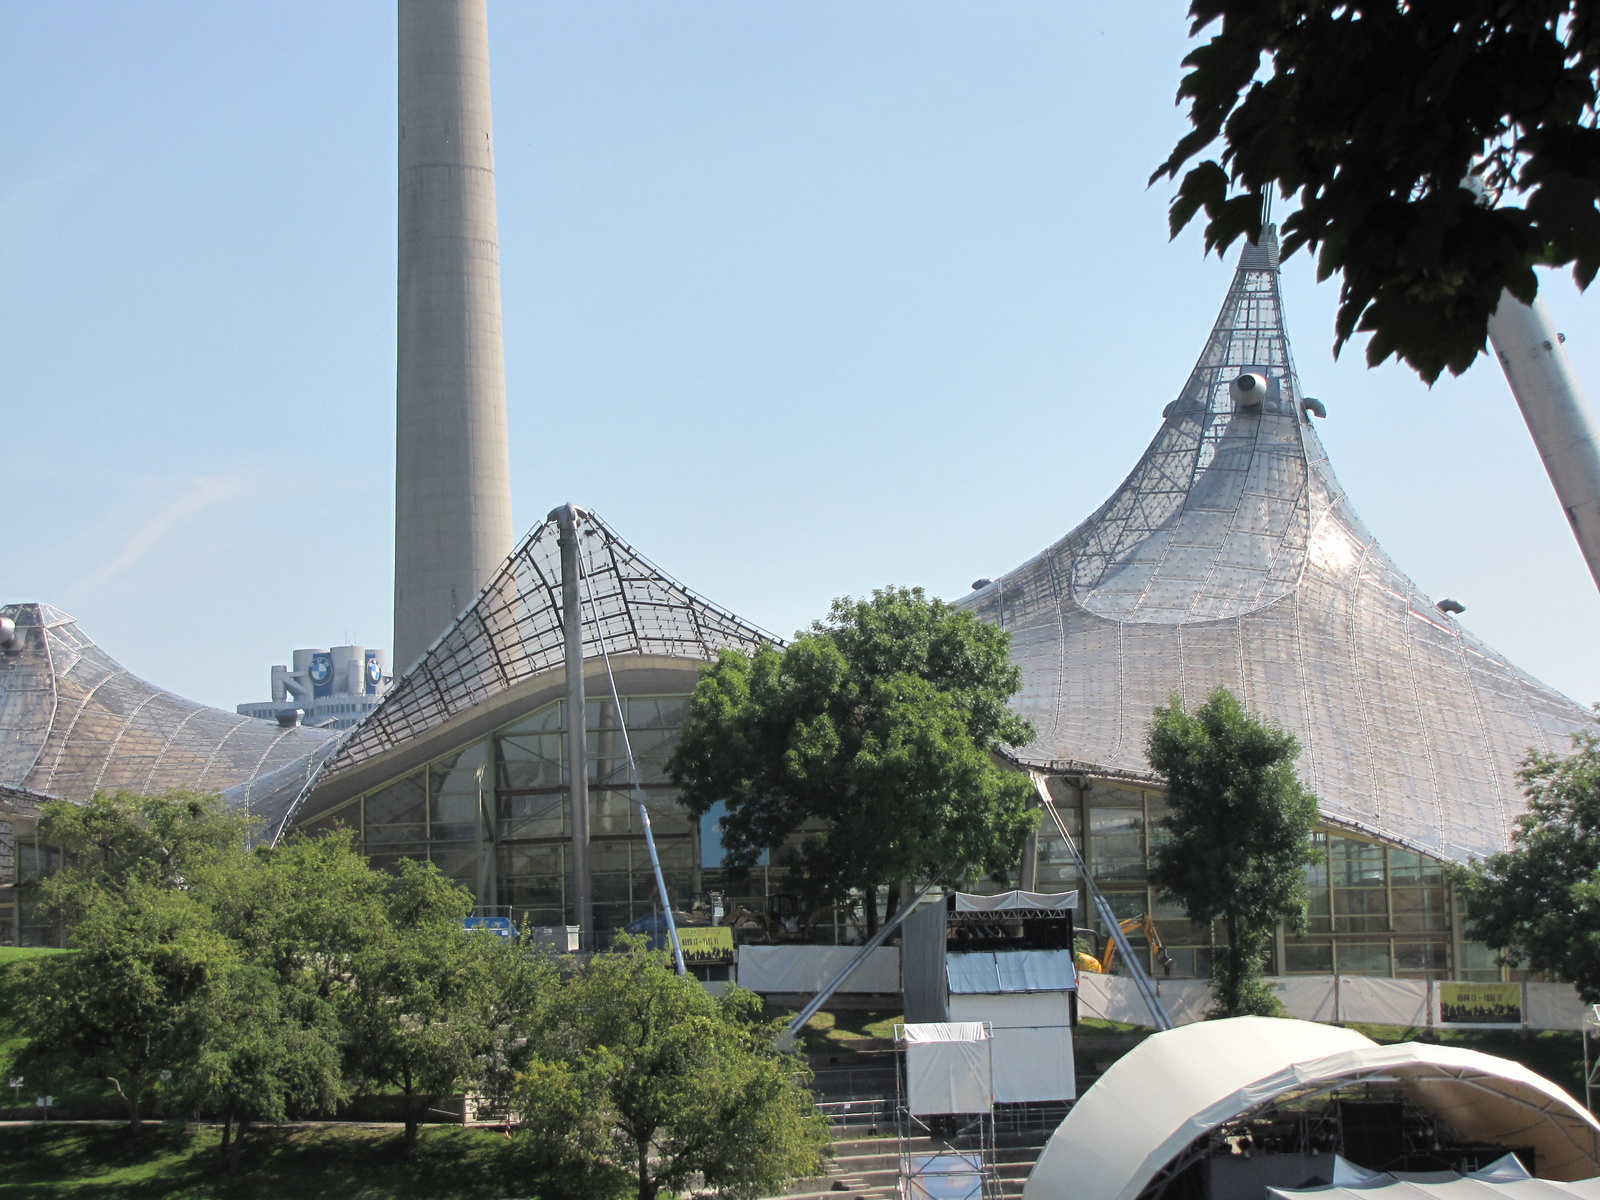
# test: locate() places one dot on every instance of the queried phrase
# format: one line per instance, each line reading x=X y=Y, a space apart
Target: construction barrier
x=1342 y=999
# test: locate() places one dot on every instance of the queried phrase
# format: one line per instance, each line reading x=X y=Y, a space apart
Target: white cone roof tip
x=1231 y=557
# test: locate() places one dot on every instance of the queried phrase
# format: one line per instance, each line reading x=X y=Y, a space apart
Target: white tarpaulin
x=994 y=971
x=1555 y=1006
x=1309 y=997
x=1378 y=1001
x=1016 y=901
x=1031 y=1043
x=1175 y=1086
x=1506 y=1178
x=948 y=1068
x=806 y=970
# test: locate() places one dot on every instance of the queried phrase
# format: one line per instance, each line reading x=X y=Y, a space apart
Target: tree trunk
x=647 y=1186
x=227 y=1137
x=1230 y=1000
x=869 y=905
x=411 y=1113
x=891 y=904
x=130 y=1098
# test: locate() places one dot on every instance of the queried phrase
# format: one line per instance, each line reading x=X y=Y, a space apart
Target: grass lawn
x=329 y=1162
x=831 y=1032
x=11 y=954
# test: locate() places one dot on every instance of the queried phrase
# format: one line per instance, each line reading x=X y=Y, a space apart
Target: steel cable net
x=1231 y=557
x=73 y=722
x=514 y=632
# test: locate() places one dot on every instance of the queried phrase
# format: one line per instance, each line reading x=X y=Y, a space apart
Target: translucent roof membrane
x=513 y=632
x=1231 y=557
x=74 y=722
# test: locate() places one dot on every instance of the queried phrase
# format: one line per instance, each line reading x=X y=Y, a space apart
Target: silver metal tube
x=577 y=707
x=1558 y=416
x=1141 y=981
x=872 y=943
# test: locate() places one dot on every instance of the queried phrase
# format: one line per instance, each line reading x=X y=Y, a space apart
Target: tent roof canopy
x=1179 y=1085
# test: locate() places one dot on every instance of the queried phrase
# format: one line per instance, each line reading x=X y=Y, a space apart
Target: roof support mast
x=1558 y=416
x=566 y=521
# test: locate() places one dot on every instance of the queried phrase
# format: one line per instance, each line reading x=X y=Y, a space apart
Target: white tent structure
x=1507 y=1179
x=1179 y=1085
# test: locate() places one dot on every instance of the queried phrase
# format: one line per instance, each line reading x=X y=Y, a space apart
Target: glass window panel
x=1414 y=869
x=533 y=816
x=1116 y=843
x=612 y=916
x=1362 y=958
x=1425 y=958
x=1419 y=909
x=1190 y=962
x=657 y=712
x=1361 y=910
x=1356 y=863
x=540 y=891
x=1319 y=911
x=402 y=802
x=1479 y=963
x=611 y=887
x=1317 y=872
x=1308 y=958
x=610 y=812
x=548 y=859
x=390 y=835
x=1105 y=795
x=458 y=861
x=677 y=854
x=611 y=855
x=1124 y=905
x=546 y=916
x=455 y=788
x=544 y=720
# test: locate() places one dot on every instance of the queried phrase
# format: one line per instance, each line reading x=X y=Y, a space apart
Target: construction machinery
x=1100 y=963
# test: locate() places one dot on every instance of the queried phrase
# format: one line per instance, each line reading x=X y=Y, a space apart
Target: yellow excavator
x=1101 y=964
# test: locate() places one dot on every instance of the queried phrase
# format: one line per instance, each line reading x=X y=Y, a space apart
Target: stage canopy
x=1178 y=1085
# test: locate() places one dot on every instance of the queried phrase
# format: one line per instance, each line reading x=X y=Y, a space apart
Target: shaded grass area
x=832 y=1032
x=335 y=1162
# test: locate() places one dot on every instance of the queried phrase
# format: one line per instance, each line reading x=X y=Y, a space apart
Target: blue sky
x=803 y=296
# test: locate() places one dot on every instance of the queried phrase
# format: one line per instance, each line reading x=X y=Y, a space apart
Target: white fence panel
x=1377 y=1001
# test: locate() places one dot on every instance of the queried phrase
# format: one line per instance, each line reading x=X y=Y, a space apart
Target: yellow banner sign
x=704 y=945
x=1480 y=1003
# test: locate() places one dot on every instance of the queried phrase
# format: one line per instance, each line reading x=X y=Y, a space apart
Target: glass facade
x=494 y=815
x=1373 y=909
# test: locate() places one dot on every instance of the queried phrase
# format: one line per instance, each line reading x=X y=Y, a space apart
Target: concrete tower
x=452 y=468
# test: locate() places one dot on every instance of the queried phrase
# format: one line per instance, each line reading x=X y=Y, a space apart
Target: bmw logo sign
x=374 y=671
x=321 y=670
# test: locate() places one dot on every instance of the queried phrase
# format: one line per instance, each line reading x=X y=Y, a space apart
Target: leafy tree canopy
x=1373 y=115
x=1539 y=901
x=645 y=1083
x=1239 y=833
x=870 y=740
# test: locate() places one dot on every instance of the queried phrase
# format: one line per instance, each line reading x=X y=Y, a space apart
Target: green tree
x=1539 y=901
x=1373 y=115
x=135 y=999
x=117 y=839
x=258 y=1056
x=416 y=1011
x=646 y=1083
x=871 y=741
x=1239 y=834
